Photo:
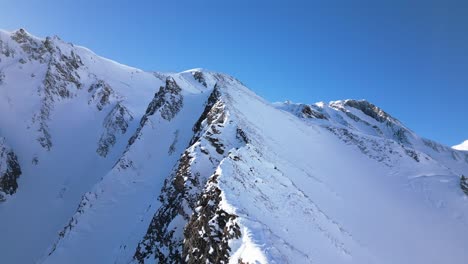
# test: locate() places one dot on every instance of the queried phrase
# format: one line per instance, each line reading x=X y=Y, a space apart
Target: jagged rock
x=464 y=184
x=35 y=50
x=181 y=191
x=198 y=75
x=209 y=230
x=2 y=77
x=240 y=134
x=60 y=82
x=102 y=94
x=369 y=109
x=167 y=101
x=116 y=122
x=308 y=112
x=212 y=100
x=10 y=170
x=172 y=147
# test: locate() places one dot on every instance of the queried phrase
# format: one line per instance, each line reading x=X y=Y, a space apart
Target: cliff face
x=118 y=165
x=10 y=170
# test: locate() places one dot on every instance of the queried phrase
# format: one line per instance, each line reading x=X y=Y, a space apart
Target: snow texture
x=111 y=164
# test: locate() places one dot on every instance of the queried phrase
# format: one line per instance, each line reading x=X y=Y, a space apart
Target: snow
x=344 y=189
x=462 y=146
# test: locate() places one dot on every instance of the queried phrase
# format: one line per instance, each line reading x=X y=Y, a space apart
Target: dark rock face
x=10 y=170
x=200 y=78
x=61 y=78
x=60 y=82
x=178 y=198
x=212 y=100
x=464 y=184
x=160 y=239
x=167 y=101
x=392 y=125
x=369 y=109
x=36 y=50
x=308 y=112
x=209 y=230
x=102 y=93
x=184 y=189
x=2 y=77
x=116 y=122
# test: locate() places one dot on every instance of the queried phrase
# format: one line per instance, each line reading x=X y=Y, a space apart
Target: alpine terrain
x=105 y=163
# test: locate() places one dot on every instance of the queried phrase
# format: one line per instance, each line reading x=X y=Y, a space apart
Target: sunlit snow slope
x=104 y=163
x=462 y=146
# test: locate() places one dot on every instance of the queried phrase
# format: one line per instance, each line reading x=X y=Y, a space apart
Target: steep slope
x=67 y=115
x=117 y=165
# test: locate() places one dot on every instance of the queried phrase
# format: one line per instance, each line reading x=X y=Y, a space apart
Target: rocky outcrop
x=60 y=82
x=464 y=184
x=308 y=112
x=34 y=49
x=210 y=228
x=183 y=189
x=115 y=123
x=163 y=239
x=369 y=109
x=385 y=124
x=167 y=102
x=10 y=170
x=102 y=94
x=198 y=75
x=2 y=77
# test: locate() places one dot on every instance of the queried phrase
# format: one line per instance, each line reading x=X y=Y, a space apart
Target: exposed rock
x=209 y=230
x=183 y=189
x=464 y=184
x=159 y=240
x=60 y=82
x=2 y=77
x=198 y=75
x=116 y=122
x=10 y=170
x=35 y=49
x=400 y=135
x=167 y=101
x=212 y=100
x=240 y=134
x=308 y=112
x=102 y=94
x=369 y=109
x=172 y=147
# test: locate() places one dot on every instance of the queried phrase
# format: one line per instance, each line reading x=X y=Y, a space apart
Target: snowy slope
x=462 y=146
x=116 y=165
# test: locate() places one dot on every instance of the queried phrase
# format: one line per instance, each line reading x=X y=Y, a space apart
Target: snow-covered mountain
x=462 y=146
x=104 y=163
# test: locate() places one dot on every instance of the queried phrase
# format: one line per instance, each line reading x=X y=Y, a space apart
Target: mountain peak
x=462 y=146
x=192 y=167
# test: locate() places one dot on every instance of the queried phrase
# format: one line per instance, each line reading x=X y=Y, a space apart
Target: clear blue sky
x=411 y=59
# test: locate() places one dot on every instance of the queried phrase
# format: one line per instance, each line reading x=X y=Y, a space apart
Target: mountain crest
x=118 y=165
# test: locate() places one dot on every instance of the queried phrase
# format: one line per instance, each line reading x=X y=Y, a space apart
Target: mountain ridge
x=146 y=167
